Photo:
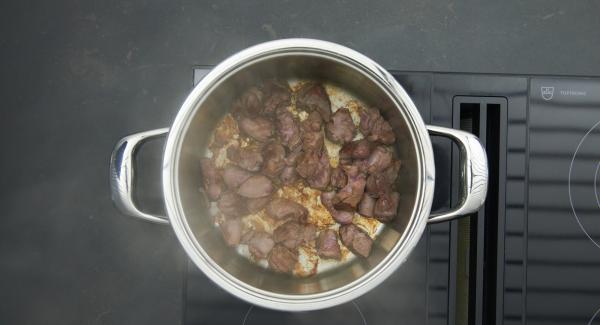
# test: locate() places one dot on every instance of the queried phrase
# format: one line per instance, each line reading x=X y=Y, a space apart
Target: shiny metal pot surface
x=188 y=138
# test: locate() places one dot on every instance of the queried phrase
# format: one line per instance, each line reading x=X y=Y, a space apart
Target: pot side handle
x=473 y=171
x=122 y=174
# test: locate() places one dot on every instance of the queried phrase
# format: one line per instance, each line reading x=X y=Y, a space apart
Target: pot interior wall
x=217 y=104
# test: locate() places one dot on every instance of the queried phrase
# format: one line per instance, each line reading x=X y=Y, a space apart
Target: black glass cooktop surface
x=563 y=229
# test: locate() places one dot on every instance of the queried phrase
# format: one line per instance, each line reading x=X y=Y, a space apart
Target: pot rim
x=397 y=254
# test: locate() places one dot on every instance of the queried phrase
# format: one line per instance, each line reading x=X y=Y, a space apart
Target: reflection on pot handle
x=473 y=171
x=121 y=174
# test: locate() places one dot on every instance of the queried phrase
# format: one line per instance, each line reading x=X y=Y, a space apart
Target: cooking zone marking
x=569 y=184
x=595 y=187
x=593 y=317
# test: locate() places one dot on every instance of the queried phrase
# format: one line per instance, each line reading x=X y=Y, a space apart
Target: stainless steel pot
x=188 y=137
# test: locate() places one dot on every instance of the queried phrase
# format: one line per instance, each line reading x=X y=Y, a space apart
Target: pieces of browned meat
x=256 y=186
x=386 y=206
x=288 y=128
x=274 y=159
x=250 y=157
x=260 y=244
x=276 y=148
x=288 y=175
x=340 y=129
x=321 y=176
x=329 y=199
x=282 y=259
x=356 y=239
x=327 y=244
x=257 y=204
x=359 y=149
x=234 y=176
x=313 y=122
x=258 y=128
x=213 y=184
x=232 y=231
x=379 y=160
x=312 y=141
x=350 y=195
x=292 y=233
x=374 y=127
x=281 y=209
x=366 y=206
x=232 y=205
x=382 y=182
x=313 y=97
x=338 y=178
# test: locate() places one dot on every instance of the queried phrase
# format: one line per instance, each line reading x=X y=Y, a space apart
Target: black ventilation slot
x=477 y=234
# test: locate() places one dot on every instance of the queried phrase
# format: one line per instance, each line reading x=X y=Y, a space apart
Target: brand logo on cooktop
x=547 y=92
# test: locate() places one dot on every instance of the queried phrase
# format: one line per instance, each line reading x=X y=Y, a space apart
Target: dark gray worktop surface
x=76 y=76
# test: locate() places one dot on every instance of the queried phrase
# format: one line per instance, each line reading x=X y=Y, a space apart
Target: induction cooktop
x=530 y=255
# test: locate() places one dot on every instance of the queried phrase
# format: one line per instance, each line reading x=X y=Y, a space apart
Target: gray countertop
x=77 y=76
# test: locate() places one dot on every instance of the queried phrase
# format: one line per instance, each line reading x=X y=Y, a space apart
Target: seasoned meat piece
x=356 y=240
x=231 y=230
x=282 y=259
x=340 y=129
x=386 y=206
x=293 y=156
x=351 y=194
x=234 y=176
x=249 y=158
x=345 y=154
x=249 y=103
x=289 y=234
x=362 y=149
x=213 y=184
x=362 y=165
x=256 y=186
x=382 y=182
x=380 y=159
x=257 y=204
x=288 y=128
x=368 y=116
x=312 y=141
x=281 y=208
x=277 y=94
x=327 y=244
x=260 y=244
x=308 y=164
x=231 y=204
x=313 y=122
x=289 y=175
x=274 y=156
x=258 y=128
x=374 y=127
x=338 y=177
x=377 y=184
x=310 y=232
x=313 y=97
x=328 y=199
x=225 y=131
x=359 y=149
x=322 y=175
x=366 y=205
